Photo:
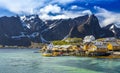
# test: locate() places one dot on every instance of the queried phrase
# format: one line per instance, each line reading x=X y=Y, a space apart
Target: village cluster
x=89 y=47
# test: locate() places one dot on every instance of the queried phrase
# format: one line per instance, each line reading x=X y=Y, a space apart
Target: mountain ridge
x=33 y=29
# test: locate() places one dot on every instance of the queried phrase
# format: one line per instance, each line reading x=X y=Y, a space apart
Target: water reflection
x=26 y=61
x=99 y=65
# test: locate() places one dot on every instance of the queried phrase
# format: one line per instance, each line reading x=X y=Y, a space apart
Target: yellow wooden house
x=91 y=47
x=113 y=46
x=101 y=48
x=86 y=46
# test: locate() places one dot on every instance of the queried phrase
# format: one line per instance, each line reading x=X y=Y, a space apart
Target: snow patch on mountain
x=117 y=25
x=28 y=17
x=42 y=39
x=20 y=36
x=28 y=26
x=53 y=25
x=112 y=27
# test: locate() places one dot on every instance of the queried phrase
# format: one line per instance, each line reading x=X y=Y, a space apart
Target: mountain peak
x=35 y=29
x=117 y=25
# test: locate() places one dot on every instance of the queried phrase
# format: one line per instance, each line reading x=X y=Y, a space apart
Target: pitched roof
x=114 y=44
x=101 y=46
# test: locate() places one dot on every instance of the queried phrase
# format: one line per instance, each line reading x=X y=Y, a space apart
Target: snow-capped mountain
x=33 y=23
x=32 y=28
x=114 y=28
x=117 y=25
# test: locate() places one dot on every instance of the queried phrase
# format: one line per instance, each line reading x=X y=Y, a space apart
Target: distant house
x=61 y=47
x=111 y=39
x=113 y=46
x=101 y=48
x=88 y=39
x=118 y=41
x=98 y=48
x=98 y=42
x=86 y=46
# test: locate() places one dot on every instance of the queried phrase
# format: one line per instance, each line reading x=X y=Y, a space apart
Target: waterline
x=26 y=61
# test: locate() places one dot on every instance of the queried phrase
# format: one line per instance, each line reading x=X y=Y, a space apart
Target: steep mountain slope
x=117 y=31
x=60 y=29
x=114 y=29
x=25 y=29
x=89 y=27
x=33 y=27
x=11 y=26
x=33 y=24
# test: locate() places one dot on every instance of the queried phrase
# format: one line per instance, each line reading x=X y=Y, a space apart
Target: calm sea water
x=26 y=61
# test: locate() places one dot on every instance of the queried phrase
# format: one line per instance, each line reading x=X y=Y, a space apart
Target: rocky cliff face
x=33 y=24
x=113 y=30
x=10 y=26
x=60 y=29
x=32 y=28
x=89 y=27
x=117 y=32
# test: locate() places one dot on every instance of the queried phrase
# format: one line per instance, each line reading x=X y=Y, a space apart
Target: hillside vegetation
x=68 y=41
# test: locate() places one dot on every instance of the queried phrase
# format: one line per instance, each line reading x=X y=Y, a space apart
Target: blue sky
x=107 y=11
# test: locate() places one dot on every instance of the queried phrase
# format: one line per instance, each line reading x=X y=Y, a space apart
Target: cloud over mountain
x=28 y=6
x=105 y=10
x=107 y=17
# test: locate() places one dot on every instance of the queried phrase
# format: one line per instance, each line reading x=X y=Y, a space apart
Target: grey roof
x=114 y=44
x=101 y=46
x=110 y=39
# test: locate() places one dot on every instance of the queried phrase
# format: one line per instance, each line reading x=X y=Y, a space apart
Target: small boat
x=47 y=54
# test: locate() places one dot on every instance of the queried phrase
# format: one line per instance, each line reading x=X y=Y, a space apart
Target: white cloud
x=74 y=7
x=77 y=7
x=72 y=14
x=50 y=8
x=117 y=25
x=106 y=17
x=62 y=14
x=18 y=6
x=44 y=12
x=49 y=17
x=62 y=1
x=61 y=17
x=29 y=6
x=87 y=12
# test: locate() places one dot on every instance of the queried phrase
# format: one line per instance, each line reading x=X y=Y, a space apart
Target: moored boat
x=47 y=54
